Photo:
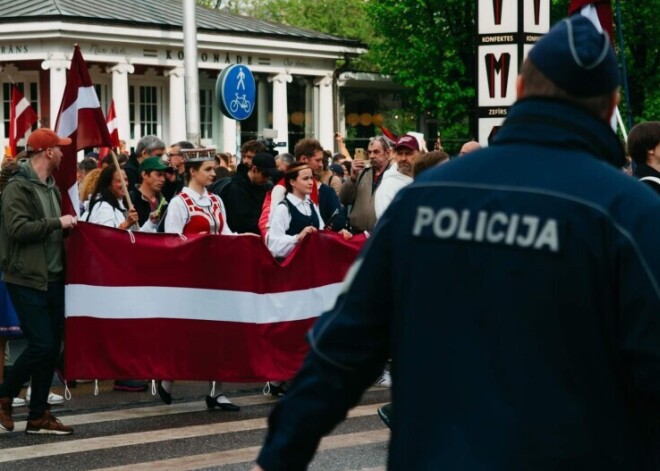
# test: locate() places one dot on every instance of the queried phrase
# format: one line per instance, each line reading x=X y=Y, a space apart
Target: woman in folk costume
x=196 y=211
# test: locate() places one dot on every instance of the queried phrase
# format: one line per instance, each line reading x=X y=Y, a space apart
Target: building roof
x=164 y=14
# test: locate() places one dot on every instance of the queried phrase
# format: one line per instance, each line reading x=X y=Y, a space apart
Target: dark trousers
x=41 y=315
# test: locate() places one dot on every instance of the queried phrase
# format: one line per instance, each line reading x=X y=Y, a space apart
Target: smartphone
x=360 y=154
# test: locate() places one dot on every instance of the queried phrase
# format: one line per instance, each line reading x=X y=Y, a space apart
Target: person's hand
x=305 y=231
x=346 y=234
x=154 y=216
x=132 y=216
x=68 y=221
x=339 y=138
x=257 y=468
x=356 y=168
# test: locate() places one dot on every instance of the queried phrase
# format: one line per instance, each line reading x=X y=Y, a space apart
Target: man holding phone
x=359 y=189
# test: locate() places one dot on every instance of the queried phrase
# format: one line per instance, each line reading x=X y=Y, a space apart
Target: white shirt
x=279 y=242
x=177 y=212
x=393 y=181
x=106 y=215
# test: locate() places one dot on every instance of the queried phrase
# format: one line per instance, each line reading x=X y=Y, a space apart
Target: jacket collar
x=555 y=123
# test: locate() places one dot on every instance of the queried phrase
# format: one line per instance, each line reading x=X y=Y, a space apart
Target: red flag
x=179 y=317
x=111 y=121
x=21 y=117
x=81 y=119
x=599 y=9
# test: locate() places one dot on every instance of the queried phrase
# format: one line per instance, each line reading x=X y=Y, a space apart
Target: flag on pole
x=21 y=117
x=111 y=121
x=599 y=12
x=81 y=119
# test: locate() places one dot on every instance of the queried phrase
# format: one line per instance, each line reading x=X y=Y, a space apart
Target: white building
x=134 y=51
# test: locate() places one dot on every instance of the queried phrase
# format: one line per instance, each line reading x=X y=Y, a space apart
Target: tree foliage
x=428 y=47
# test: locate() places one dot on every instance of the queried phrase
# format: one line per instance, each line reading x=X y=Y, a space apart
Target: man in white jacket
x=406 y=151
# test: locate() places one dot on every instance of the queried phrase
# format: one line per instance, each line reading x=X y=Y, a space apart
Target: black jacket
x=243 y=202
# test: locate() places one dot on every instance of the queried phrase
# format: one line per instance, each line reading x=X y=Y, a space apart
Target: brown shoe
x=47 y=424
x=6 y=422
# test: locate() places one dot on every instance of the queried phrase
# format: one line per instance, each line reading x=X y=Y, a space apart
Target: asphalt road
x=133 y=431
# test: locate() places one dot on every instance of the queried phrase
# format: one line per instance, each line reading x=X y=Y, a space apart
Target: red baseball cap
x=43 y=138
x=409 y=142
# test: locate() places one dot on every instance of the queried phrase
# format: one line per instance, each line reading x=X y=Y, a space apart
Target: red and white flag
x=21 y=118
x=204 y=308
x=599 y=12
x=81 y=119
x=111 y=120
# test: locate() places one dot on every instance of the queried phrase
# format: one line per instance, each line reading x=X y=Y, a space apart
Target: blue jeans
x=41 y=314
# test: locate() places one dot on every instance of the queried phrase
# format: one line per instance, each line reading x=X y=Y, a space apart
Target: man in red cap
x=406 y=151
x=32 y=261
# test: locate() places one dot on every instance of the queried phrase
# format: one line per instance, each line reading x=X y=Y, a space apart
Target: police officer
x=517 y=290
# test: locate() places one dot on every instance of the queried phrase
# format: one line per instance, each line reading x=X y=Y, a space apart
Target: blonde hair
x=88 y=184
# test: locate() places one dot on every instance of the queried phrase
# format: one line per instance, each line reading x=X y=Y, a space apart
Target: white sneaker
x=52 y=397
x=385 y=380
x=18 y=402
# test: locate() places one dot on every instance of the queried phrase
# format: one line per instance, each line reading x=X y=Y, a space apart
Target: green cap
x=152 y=163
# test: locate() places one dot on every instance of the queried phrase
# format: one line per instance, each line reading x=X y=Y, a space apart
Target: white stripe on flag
x=69 y=120
x=152 y=302
x=112 y=125
x=22 y=106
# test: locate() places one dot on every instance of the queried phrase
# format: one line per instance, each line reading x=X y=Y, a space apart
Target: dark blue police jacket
x=517 y=291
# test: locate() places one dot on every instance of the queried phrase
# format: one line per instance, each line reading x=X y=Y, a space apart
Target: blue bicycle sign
x=235 y=91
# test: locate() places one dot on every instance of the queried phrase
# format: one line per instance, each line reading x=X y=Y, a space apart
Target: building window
x=143 y=110
x=206 y=114
x=30 y=90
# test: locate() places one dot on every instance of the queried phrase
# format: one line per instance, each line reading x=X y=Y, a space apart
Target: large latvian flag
x=81 y=119
x=203 y=307
x=21 y=118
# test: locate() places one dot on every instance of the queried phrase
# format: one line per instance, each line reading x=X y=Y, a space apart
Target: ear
x=616 y=98
x=520 y=87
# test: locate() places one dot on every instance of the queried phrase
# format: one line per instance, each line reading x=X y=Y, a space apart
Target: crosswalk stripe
x=114 y=441
x=244 y=455
x=151 y=411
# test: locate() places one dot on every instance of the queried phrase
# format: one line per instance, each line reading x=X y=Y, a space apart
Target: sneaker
x=130 y=385
x=18 y=402
x=53 y=398
x=384 y=413
x=6 y=422
x=385 y=380
x=47 y=424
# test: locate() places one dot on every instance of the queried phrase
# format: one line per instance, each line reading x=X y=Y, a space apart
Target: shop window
x=144 y=110
x=206 y=113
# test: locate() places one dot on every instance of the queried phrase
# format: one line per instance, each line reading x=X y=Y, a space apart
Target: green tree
x=428 y=47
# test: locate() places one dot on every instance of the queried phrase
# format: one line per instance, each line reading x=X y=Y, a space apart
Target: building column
x=280 y=109
x=57 y=67
x=309 y=109
x=229 y=136
x=120 y=97
x=326 y=112
x=262 y=104
x=177 y=109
